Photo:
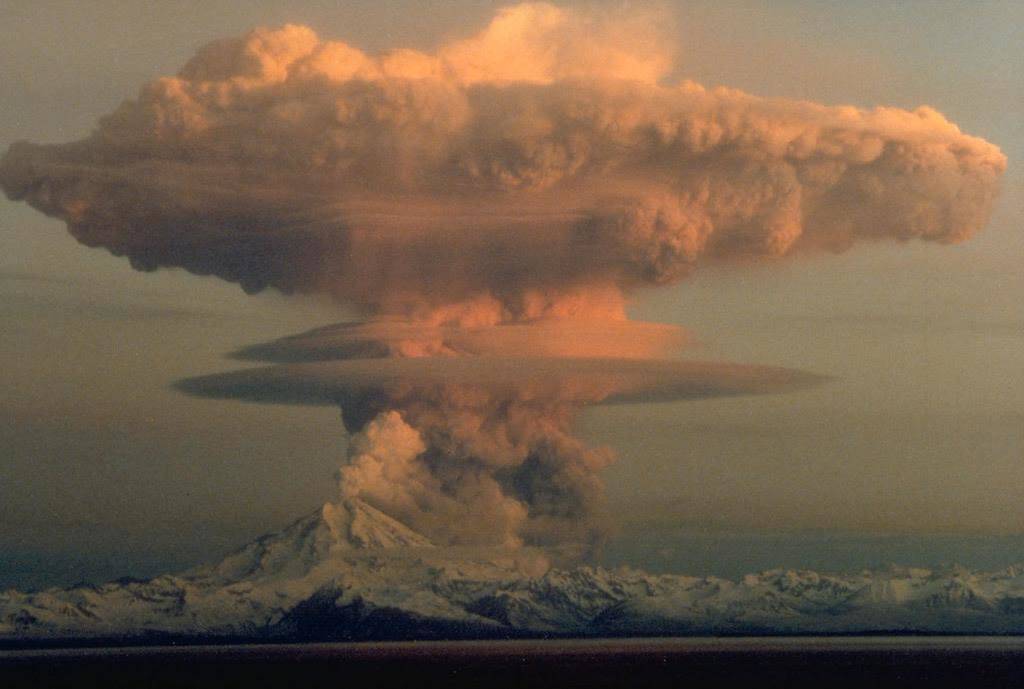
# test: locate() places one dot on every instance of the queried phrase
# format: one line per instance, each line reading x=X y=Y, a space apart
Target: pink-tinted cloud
x=490 y=205
x=540 y=162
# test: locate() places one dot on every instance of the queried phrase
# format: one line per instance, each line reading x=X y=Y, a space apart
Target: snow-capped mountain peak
x=356 y=524
x=348 y=525
x=349 y=571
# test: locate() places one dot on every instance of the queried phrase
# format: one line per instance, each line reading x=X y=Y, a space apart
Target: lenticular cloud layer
x=489 y=207
x=465 y=433
x=538 y=168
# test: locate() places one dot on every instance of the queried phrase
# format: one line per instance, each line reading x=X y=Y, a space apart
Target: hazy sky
x=922 y=432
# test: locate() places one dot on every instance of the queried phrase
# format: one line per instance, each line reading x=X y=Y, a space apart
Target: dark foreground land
x=732 y=662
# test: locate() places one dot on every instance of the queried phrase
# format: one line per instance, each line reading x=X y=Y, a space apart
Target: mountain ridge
x=350 y=572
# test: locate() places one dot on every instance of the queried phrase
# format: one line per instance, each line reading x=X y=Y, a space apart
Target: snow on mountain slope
x=350 y=572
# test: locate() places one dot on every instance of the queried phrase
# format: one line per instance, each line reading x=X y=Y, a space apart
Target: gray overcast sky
x=923 y=432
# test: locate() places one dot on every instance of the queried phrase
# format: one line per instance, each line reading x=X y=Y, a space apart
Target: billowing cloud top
x=539 y=168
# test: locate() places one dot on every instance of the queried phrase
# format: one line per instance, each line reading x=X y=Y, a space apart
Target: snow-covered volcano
x=349 y=571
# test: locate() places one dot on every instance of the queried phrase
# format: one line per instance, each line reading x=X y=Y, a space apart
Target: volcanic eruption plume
x=489 y=208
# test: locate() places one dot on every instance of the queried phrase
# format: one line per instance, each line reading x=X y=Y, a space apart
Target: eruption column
x=490 y=207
